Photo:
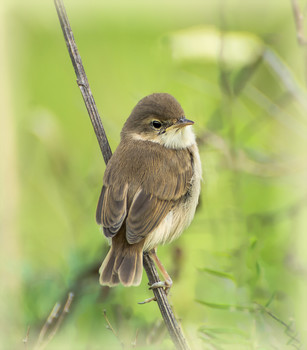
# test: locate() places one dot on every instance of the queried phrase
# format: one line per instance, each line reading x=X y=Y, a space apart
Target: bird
x=151 y=187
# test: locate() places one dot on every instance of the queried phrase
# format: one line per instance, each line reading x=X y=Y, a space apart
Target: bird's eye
x=156 y=124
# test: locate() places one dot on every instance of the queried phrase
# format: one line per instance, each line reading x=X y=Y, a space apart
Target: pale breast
x=182 y=213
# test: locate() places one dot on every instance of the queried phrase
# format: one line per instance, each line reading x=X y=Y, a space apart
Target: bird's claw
x=162 y=284
x=146 y=301
x=166 y=285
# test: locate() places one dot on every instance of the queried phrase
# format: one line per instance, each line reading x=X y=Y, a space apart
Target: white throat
x=178 y=138
x=172 y=138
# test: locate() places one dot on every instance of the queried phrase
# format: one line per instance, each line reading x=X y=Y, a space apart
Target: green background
x=240 y=269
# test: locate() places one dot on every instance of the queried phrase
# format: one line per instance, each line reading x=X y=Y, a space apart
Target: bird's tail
x=123 y=264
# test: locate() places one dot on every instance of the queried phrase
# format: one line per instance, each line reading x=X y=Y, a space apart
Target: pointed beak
x=183 y=122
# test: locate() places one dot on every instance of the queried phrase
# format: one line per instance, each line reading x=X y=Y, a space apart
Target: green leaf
x=223 y=331
x=227 y=306
x=218 y=274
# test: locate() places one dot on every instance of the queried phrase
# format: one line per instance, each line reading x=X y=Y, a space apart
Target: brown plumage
x=150 y=187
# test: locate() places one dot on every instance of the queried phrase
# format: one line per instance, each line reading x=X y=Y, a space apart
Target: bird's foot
x=146 y=301
x=167 y=284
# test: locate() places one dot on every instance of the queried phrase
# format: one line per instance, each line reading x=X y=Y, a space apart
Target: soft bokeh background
x=237 y=69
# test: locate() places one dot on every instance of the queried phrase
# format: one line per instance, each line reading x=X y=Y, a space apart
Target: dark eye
x=156 y=124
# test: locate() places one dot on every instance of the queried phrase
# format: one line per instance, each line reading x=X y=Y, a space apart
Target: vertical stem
x=165 y=309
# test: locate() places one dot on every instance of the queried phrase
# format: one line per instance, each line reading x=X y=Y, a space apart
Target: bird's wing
x=144 y=190
x=145 y=214
x=112 y=208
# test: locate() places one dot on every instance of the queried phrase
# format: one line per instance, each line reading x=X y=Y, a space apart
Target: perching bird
x=150 y=188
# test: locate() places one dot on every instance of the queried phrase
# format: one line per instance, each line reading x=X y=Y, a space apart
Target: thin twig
x=134 y=342
x=289 y=331
x=64 y=312
x=83 y=82
x=299 y=23
x=284 y=118
x=26 y=338
x=109 y=326
x=166 y=311
x=285 y=76
x=52 y=316
x=42 y=341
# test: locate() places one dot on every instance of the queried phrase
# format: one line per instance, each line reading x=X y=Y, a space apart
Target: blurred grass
x=246 y=244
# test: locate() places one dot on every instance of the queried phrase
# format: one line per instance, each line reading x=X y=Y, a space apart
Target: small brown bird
x=150 y=188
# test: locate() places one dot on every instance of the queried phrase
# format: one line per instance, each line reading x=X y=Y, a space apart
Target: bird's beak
x=183 y=122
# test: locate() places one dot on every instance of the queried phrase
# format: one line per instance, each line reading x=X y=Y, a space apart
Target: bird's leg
x=167 y=283
x=161 y=284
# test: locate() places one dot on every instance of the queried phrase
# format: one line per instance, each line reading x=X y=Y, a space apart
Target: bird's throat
x=173 y=138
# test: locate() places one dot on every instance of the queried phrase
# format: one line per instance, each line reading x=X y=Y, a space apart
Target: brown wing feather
x=134 y=192
x=145 y=214
x=112 y=208
x=99 y=206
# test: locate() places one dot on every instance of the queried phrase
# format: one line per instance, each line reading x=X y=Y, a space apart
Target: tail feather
x=126 y=271
x=114 y=280
x=106 y=270
x=138 y=269
x=123 y=264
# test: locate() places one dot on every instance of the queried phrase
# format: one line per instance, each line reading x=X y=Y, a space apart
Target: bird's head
x=159 y=118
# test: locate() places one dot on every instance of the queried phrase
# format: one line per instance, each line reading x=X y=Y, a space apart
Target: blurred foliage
x=240 y=270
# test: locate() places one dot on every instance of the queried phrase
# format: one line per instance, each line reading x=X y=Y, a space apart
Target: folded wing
x=143 y=192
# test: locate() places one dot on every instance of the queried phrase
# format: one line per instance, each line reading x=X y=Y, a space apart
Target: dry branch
x=172 y=325
x=299 y=26
x=299 y=23
x=26 y=339
x=110 y=327
x=57 y=317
